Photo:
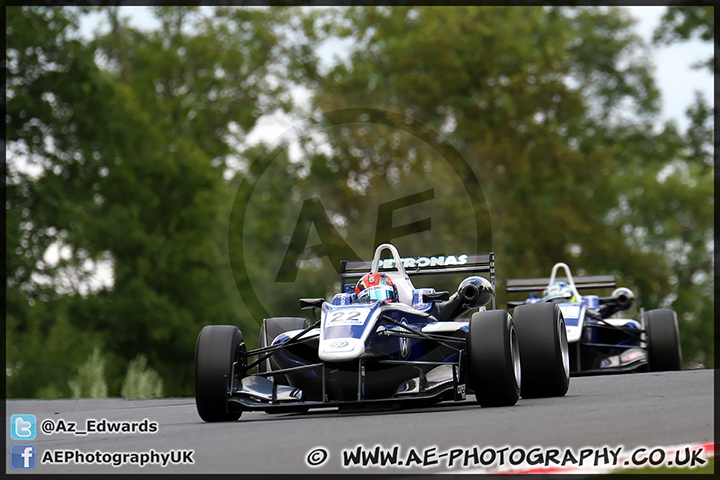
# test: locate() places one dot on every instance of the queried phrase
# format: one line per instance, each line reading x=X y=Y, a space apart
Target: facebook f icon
x=22 y=457
x=22 y=427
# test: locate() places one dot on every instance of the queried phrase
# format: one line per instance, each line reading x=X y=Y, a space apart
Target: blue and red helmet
x=376 y=286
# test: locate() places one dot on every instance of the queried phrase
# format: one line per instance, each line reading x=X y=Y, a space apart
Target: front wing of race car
x=347 y=385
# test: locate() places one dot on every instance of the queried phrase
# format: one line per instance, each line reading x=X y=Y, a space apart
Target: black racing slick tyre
x=271 y=328
x=544 y=351
x=493 y=359
x=217 y=348
x=663 y=340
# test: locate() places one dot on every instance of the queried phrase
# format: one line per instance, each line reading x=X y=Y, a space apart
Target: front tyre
x=544 y=351
x=663 y=340
x=217 y=348
x=493 y=359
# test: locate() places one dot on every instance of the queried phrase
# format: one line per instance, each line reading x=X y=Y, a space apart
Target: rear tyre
x=544 y=351
x=493 y=359
x=663 y=340
x=217 y=348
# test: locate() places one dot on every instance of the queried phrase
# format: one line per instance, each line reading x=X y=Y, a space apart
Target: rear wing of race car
x=468 y=264
x=513 y=285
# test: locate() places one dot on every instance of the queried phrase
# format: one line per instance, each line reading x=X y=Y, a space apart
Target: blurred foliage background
x=137 y=211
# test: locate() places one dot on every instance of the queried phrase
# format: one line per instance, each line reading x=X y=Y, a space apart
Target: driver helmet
x=376 y=286
x=558 y=291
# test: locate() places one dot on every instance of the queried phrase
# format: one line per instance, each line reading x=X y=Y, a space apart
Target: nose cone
x=340 y=349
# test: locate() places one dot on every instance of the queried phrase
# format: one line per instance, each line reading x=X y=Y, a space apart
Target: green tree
x=141 y=381
x=528 y=131
x=520 y=92
x=680 y=24
x=90 y=380
x=683 y=228
x=46 y=172
x=118 y=147
x=555 y=108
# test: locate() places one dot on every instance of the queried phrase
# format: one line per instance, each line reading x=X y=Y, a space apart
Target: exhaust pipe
x=624 y=298
x=473 y=292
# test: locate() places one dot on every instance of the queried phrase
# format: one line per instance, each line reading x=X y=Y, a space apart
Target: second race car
x=600 y=341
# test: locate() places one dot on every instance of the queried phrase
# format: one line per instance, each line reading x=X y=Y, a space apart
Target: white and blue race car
x=368 y=351
x=600 y=341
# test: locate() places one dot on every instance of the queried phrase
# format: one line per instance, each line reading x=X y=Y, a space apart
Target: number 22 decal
x=345 y=316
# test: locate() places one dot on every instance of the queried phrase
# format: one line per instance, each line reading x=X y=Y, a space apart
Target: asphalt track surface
x=630 y=410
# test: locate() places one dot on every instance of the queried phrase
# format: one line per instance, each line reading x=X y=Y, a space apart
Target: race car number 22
x=346 y=317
